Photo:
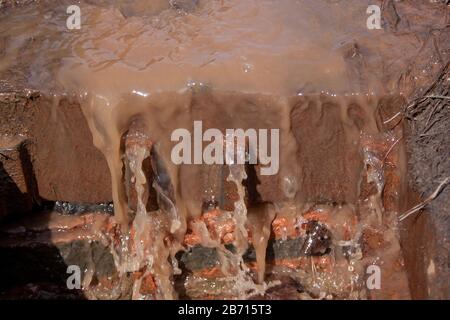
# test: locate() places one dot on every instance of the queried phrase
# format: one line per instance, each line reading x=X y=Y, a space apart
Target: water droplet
x=247 y=67
x=290 y=187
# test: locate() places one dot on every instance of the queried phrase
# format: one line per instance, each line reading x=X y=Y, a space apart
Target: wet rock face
x=65 y=164
x=324 y=141
x=318 y=239
x=38 y=250
x=199 y=258
x=48 y=263
x=17 y=184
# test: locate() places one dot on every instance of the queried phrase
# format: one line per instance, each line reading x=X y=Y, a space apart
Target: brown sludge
x=134 y=73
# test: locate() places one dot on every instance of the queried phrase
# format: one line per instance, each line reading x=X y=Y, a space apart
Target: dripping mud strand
x=308 y=232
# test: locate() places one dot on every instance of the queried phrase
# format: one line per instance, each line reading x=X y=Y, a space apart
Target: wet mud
x=135 y=72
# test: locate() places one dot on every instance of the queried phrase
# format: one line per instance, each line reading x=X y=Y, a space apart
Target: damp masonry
x=251 y=149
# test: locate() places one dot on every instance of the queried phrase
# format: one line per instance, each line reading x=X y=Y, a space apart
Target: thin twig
x=412 y=104
x=429 y=134
x=423 y=204
x=393 y=117
x=438 y=97
x=5 y=155
x=390 y=150
x=432 y=113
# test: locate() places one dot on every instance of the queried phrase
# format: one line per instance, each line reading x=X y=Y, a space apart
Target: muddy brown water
x=311 y=69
